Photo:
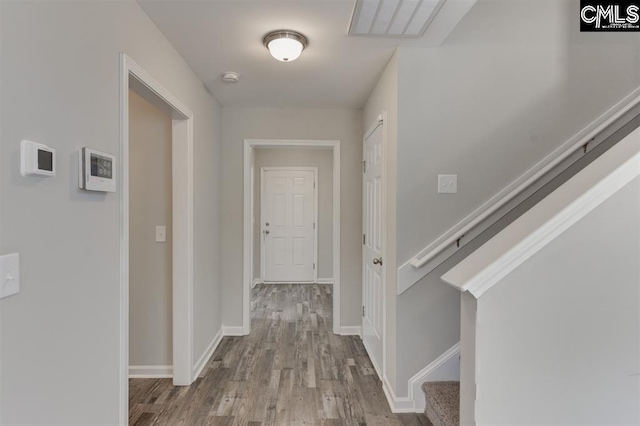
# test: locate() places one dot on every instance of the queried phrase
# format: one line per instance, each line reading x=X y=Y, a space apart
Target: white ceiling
x=335 y=71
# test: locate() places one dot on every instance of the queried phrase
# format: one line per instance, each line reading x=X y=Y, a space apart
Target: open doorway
x=292 y=220
x=179 y=231
x=150 y=240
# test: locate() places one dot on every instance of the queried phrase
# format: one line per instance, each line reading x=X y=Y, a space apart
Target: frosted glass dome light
x=285 y=45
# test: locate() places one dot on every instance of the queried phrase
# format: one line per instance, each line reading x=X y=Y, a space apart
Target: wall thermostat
x=97 y=171
x=37 y=159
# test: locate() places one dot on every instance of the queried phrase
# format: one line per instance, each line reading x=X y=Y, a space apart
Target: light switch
x=161 y=234
x=447 y=184
x=9 y=275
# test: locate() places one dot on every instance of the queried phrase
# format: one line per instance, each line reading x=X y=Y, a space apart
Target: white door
x=288 y=223
x=373 y=243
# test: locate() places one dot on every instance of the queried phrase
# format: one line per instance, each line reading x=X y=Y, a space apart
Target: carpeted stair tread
x=443 y=403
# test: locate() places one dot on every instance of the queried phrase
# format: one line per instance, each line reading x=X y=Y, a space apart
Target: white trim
x=233 y=331
x=255 y=282
x=150 y=371
x=396 y=404
x=415 y=268
x=315 y=215
x=328 y=281
x=422 y=376
x=351 y=330
x=247 y=262
x=206 y=355
x=483 y=280
x=182 y=151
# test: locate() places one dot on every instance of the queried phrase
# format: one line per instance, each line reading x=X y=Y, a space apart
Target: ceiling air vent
x=393 y=18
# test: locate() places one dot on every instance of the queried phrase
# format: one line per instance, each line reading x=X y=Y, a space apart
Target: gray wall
x=60 y=86
x=570 y=315
x=384 y=98
x=520 y=90
x=323 y=160
x=150 y=263
x=275 y=123
x=501 y=93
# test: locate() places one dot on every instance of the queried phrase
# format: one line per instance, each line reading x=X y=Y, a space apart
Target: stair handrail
x=577 y=142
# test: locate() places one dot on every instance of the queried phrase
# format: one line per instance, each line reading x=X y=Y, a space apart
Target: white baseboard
x=204 y=358
x=446 y=367
x=325 y=281
x=351 y=330
x=233 y=331
x=150 y=371
x=396 y=404
x=256 y=281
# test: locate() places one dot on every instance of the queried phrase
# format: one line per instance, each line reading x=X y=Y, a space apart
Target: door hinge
x=364 y=166
x=314 y=225
x=314 y=185
x=363 y=311
x=314 y=266
x=364 y=239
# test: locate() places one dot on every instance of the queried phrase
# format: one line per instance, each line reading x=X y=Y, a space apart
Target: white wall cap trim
x=548 y=219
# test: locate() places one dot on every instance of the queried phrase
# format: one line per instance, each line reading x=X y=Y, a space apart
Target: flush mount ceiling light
x=285 y=45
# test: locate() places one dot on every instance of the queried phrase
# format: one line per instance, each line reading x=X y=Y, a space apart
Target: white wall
x=570 y=317
x=275 y=123
x=150 y=263
x=60 y=86
x=384 y=98
x=513 y=81
x=323 y=160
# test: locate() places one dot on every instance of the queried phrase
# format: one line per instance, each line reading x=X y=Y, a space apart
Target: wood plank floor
x=291 y=370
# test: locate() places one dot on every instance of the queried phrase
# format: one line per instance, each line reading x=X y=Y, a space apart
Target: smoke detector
x=230 y=77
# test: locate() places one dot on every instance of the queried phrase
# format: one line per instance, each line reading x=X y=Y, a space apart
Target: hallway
x=291 y=370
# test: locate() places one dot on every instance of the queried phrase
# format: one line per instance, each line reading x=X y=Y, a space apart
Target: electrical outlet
x=447 y=184
x=9 y=275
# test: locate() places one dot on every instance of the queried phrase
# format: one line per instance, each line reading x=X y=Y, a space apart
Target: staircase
x=443 y=403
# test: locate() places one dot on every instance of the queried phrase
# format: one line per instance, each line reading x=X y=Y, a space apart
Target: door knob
x=266 y=232
x=267 y=223
x=377 y=261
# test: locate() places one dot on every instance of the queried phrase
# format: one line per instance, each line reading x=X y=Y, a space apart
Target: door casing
x=248 y=242
x=132 y=76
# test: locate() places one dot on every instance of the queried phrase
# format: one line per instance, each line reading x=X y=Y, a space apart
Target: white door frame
x=182 y=190
x=247 y=262
x=380 y=121
x=315 y=214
